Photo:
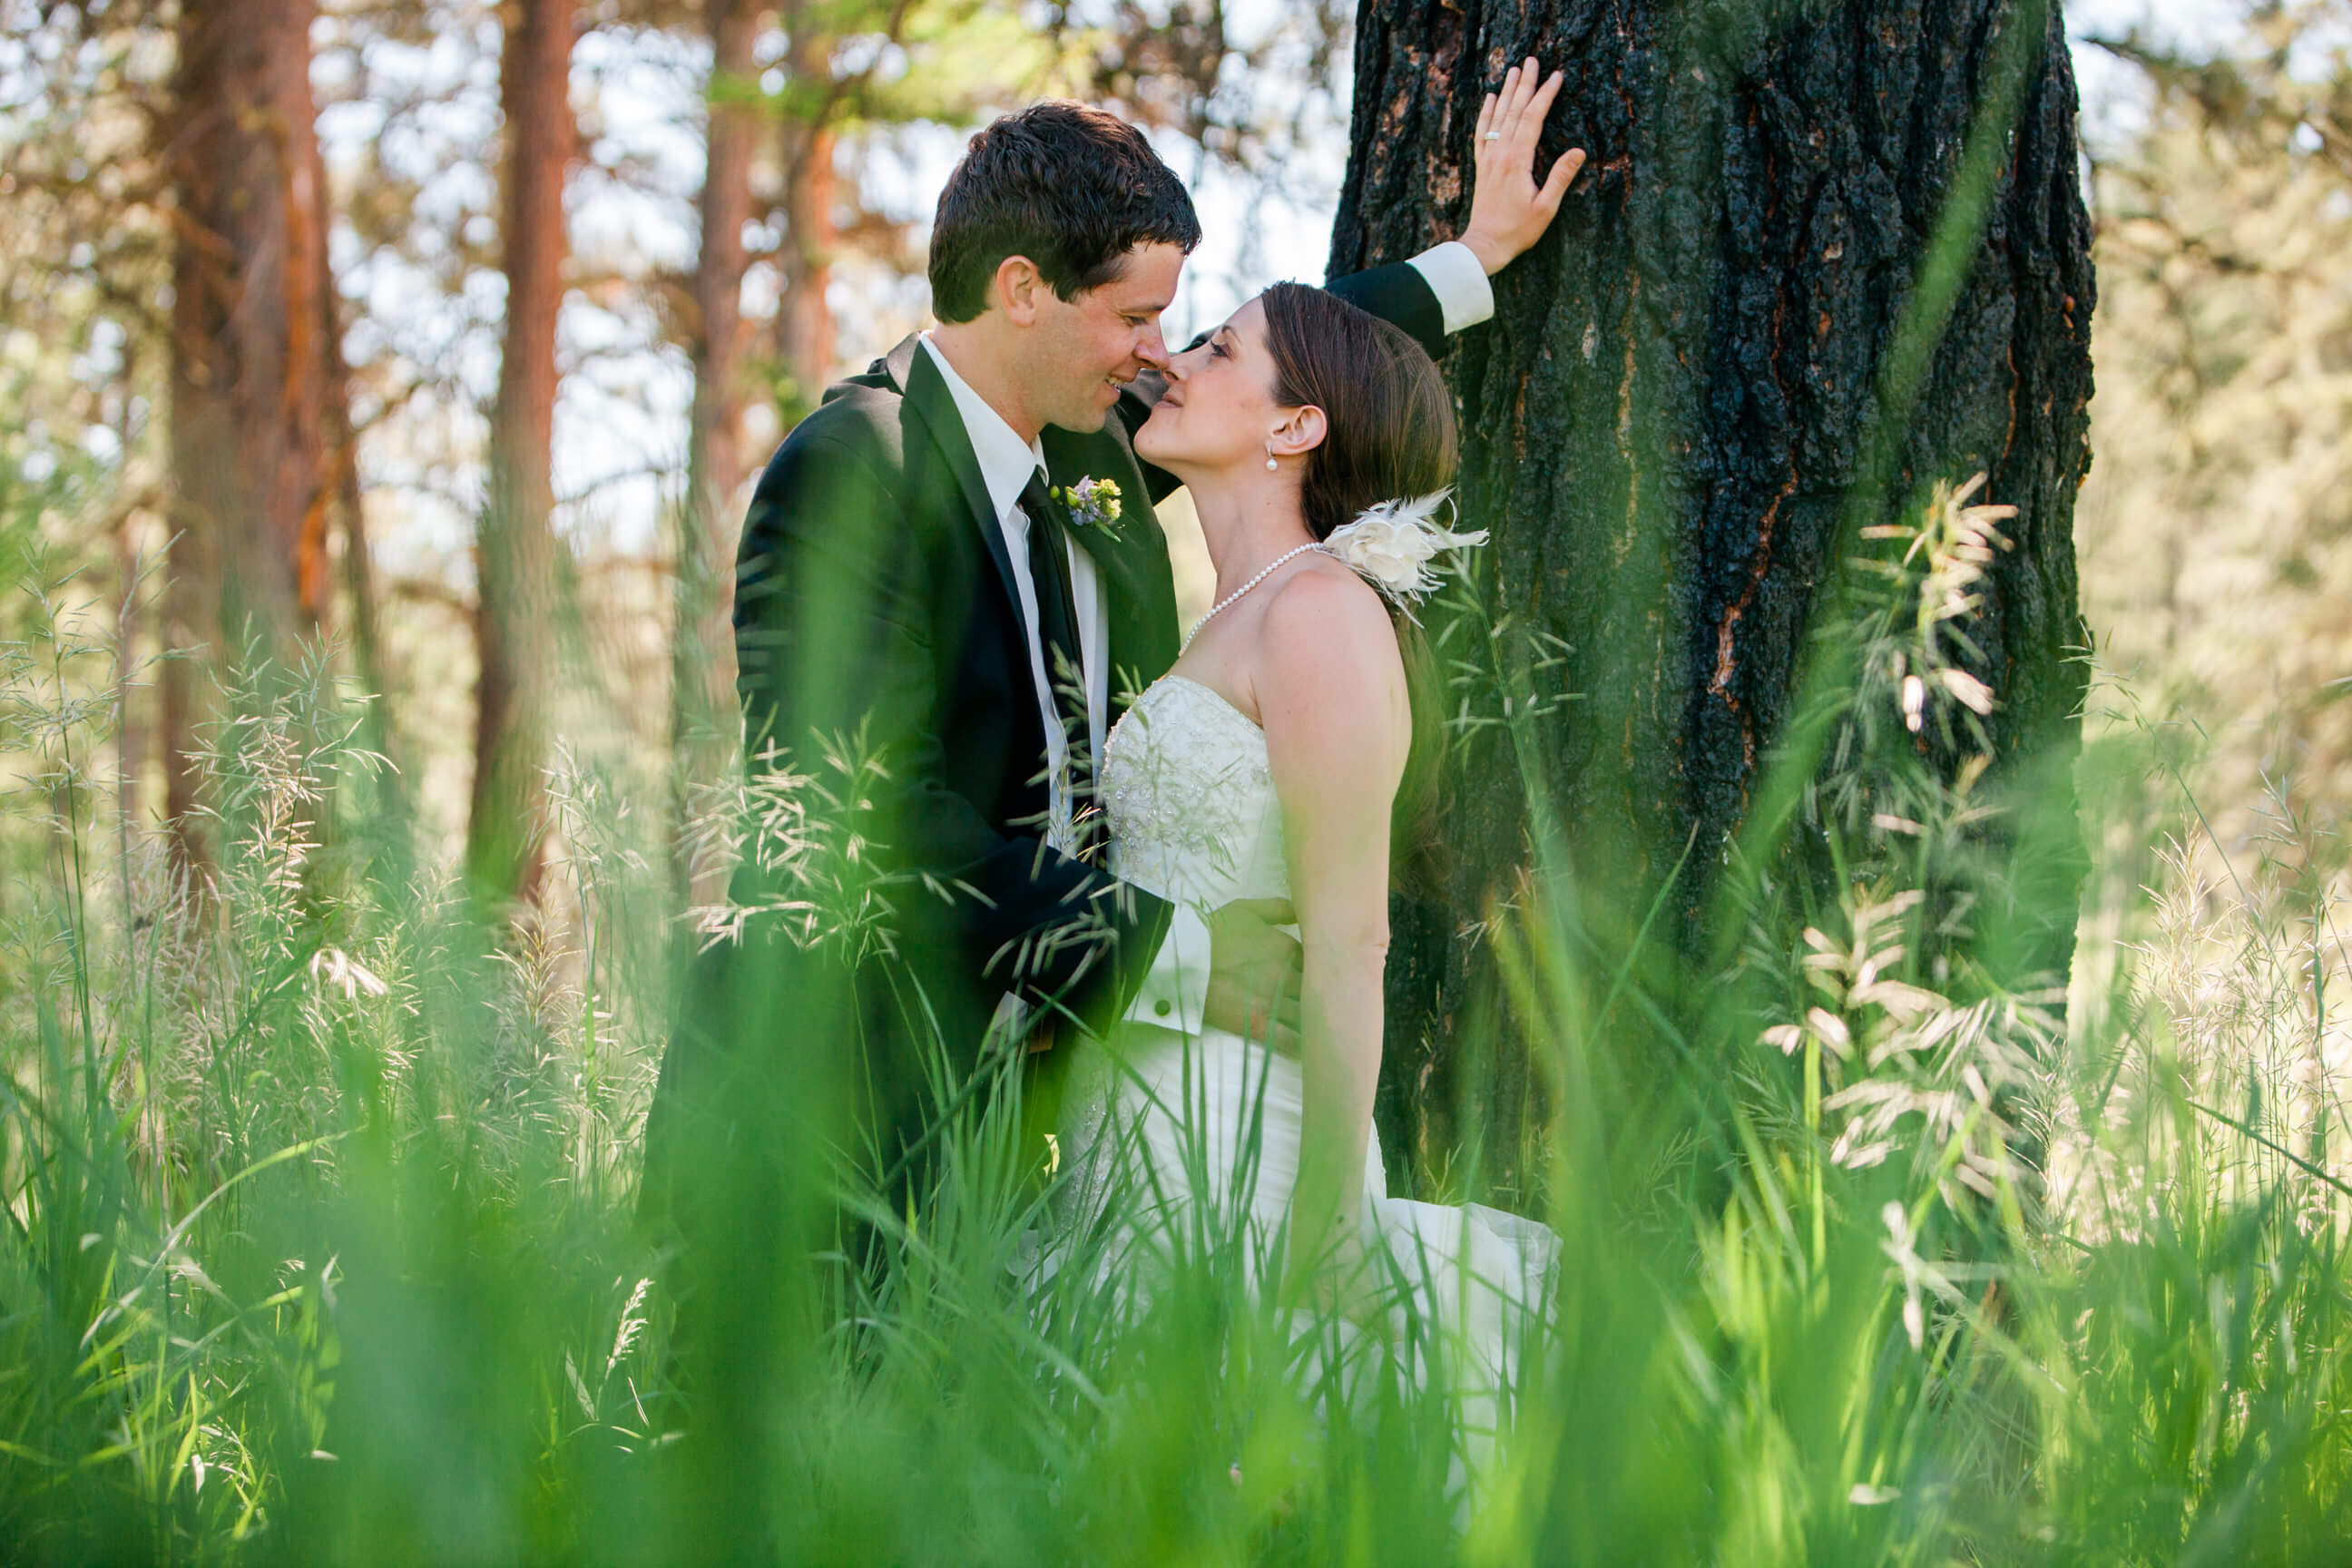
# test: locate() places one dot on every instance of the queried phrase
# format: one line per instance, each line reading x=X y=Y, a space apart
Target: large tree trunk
x=370 y=665
x=804 y=331
x=516 y=555
x=1686 y=400
x=249 y=448
x=703 y=673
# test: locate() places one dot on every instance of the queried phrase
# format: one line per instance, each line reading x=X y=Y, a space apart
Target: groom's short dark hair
x=1071 y=187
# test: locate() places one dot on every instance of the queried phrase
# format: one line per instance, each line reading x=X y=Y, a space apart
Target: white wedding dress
x=1169 y=1114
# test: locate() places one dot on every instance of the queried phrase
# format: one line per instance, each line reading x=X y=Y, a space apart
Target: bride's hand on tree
x=1508 y=210
x=1254 y=973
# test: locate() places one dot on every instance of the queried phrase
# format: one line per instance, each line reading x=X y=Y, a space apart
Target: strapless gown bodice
x=1191 y=814
x=1190 y=799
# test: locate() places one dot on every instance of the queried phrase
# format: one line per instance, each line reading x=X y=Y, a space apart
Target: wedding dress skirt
x=1179 y=1130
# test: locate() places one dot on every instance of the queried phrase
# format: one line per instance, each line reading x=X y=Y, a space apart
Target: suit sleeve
x=1399 y=292
x=835 y=634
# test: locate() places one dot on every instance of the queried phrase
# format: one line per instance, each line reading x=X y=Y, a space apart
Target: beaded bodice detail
x=1190 y=801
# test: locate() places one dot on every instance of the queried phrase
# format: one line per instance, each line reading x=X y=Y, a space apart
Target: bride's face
x=1219 y=410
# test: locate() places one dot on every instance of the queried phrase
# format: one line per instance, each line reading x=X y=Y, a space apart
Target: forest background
x=509 y=390
x=2210 y=567
x=844 y=120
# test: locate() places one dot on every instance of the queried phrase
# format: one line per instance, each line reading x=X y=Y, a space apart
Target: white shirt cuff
x=1455 y=276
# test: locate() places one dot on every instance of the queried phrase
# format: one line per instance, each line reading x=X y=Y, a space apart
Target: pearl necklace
x=1280 y=560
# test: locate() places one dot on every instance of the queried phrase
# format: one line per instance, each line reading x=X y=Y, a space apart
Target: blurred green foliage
x=321 y=1246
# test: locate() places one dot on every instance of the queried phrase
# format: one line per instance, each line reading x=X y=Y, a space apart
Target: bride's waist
x=1183 y=878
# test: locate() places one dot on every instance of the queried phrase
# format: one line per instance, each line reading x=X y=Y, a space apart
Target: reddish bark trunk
x=131 y=738
x=805 y=332
x=703 y=673
x=515 y=555
x=342 y=483
x=715 y=453
x=249 y=374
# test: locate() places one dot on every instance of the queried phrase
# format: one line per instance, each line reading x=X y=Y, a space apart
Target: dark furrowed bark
x=1668 y=426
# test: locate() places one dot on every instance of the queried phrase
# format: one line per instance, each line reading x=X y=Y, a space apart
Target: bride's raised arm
x=1331 y=694
x=1510 y=209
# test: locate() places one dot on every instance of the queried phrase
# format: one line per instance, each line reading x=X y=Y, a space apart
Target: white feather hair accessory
x=1391 y=543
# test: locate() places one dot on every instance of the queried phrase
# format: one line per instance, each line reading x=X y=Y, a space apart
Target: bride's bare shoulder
x=1327 y=622
x=1329 y=593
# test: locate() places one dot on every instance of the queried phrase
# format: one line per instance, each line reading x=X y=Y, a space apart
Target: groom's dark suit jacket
x=876 y=604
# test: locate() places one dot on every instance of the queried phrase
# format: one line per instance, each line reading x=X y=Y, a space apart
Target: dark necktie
x=1057 y=620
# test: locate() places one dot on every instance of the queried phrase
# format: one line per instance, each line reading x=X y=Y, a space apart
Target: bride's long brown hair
x=1389 y=431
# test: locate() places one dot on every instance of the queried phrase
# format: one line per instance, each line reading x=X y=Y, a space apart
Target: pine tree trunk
x=703 y=673
x=370 y=665
x=517 y=553
x=132 y=736
x=249 y=565
x=1680 y=407
x=804 y=330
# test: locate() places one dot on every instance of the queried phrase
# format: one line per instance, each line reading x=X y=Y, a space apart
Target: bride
x=1287 y=755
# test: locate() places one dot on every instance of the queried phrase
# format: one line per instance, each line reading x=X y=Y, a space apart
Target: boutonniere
x=1093 y=504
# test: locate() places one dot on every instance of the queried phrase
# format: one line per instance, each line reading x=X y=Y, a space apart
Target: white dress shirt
x=1458 y=278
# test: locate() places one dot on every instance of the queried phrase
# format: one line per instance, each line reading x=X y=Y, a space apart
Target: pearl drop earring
x=1270 y=464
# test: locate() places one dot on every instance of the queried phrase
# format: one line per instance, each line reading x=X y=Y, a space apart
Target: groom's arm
x=1439 y=292
x=836 y=634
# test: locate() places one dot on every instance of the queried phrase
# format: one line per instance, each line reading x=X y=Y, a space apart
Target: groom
x=914 y=584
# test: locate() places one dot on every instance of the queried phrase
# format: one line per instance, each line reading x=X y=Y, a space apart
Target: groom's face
x=1088 y=348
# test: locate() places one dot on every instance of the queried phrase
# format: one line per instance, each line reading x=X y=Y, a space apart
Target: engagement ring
x=1493 y=136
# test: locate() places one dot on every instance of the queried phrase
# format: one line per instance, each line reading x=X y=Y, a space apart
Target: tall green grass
x=321 y=1242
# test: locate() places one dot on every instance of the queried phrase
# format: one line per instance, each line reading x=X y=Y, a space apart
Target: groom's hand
x=1254 y=973
x=1508 y=211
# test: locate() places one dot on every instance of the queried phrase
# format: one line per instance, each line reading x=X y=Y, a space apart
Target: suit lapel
x=1139 y=593
x=926 y=392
